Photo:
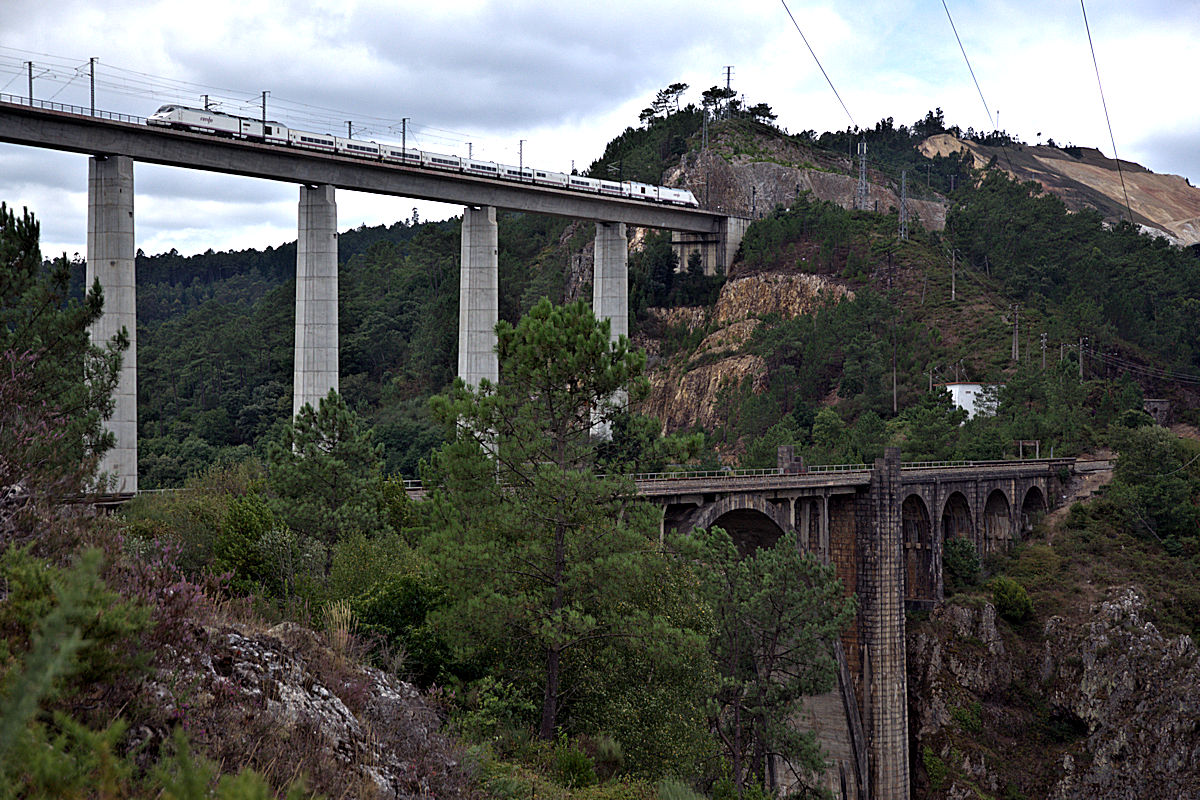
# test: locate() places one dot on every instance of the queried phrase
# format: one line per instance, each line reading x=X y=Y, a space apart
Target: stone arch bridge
x=884 y=528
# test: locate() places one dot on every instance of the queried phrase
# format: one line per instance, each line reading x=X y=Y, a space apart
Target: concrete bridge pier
x=610 y=277
x=315 y=366
x=478 y=296
x=610 y=290
x=110 y=258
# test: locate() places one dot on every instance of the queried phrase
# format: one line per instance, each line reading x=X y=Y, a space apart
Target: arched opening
x=997 y=523
x=956 y=518
x=749 y=529
x=919 y=580
x=1032 y=509
x=960 y=550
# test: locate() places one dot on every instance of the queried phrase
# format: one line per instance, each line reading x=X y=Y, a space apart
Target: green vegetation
x=778 y=611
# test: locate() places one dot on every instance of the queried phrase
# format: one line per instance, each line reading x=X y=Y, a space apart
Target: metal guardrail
x=997 y=463
x=66 y=108
x=747 y=473
x=813 y=469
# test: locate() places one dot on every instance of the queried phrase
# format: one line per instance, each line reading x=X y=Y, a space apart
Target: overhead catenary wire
x=814 y=55
x=969 y=67
x=1104 y=104
x=57 y=73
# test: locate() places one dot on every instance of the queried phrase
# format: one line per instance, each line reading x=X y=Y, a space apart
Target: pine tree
x=326 y=474
x=544 y=558
x=778 y=612
x=55 y=384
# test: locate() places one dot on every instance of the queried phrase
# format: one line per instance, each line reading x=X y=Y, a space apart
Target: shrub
x=492 y=707
x=572 y=766
x=960 y=564
x=1011 y=599
x=935 y=768
x=669 y=789
x=397 y=610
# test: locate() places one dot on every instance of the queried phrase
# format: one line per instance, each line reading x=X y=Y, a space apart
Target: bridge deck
x=75 y=130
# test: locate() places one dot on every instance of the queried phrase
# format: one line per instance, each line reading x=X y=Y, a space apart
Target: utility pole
x=860 y=196
x=30 y=65
x=92 y=73
x=894 y=407
x=953 y=270
x=264 y=111
x=207 y=105
x=1016 y=345
x=521 y=159
x=349 y=130
x=404 y=137
x=904 y=205
x=470 y=150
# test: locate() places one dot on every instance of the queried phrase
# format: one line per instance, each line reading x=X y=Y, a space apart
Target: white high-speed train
x=217 y=123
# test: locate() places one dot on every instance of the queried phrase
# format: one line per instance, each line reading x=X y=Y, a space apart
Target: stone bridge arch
x=749 y=519
x=997 y=522
x=1033 y=508
x=957 y=519
x=920 y=575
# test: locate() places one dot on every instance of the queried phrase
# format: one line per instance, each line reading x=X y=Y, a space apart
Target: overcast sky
x=566 y=77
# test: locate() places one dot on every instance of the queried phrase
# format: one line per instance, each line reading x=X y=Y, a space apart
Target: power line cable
x=969 y=68
x=814 y=55
x=1104 y=103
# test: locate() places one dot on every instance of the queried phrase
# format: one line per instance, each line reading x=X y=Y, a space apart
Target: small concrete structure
x=974 y=398
x=110 y=257
x=478 y=297
x=315 y=368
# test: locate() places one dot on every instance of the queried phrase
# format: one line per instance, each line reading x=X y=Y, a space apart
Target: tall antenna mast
x=860 y=197
x=728 y=77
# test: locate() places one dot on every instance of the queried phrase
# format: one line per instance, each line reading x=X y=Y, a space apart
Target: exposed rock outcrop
x=1084 y=178
x=284 y=695
x=751 y=184
x=686 y=393
x=1107 y=708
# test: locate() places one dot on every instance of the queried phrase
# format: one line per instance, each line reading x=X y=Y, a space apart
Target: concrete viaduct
x=883 y=528
x=115 y=142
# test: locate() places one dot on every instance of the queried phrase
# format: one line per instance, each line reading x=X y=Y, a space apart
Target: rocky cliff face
x=1084 y=178
x=776 y=173
x=1106 y=707
x=686 y=388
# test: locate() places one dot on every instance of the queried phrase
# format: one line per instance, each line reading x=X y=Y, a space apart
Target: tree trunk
x=550 y=698
x=554 y=650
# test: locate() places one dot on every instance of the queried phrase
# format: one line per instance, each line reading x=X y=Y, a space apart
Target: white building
x=974 y=398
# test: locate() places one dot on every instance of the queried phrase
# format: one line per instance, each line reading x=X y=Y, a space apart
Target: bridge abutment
x=715 y=250
x=315 y=365
x=478 y=296
x=110 y=258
